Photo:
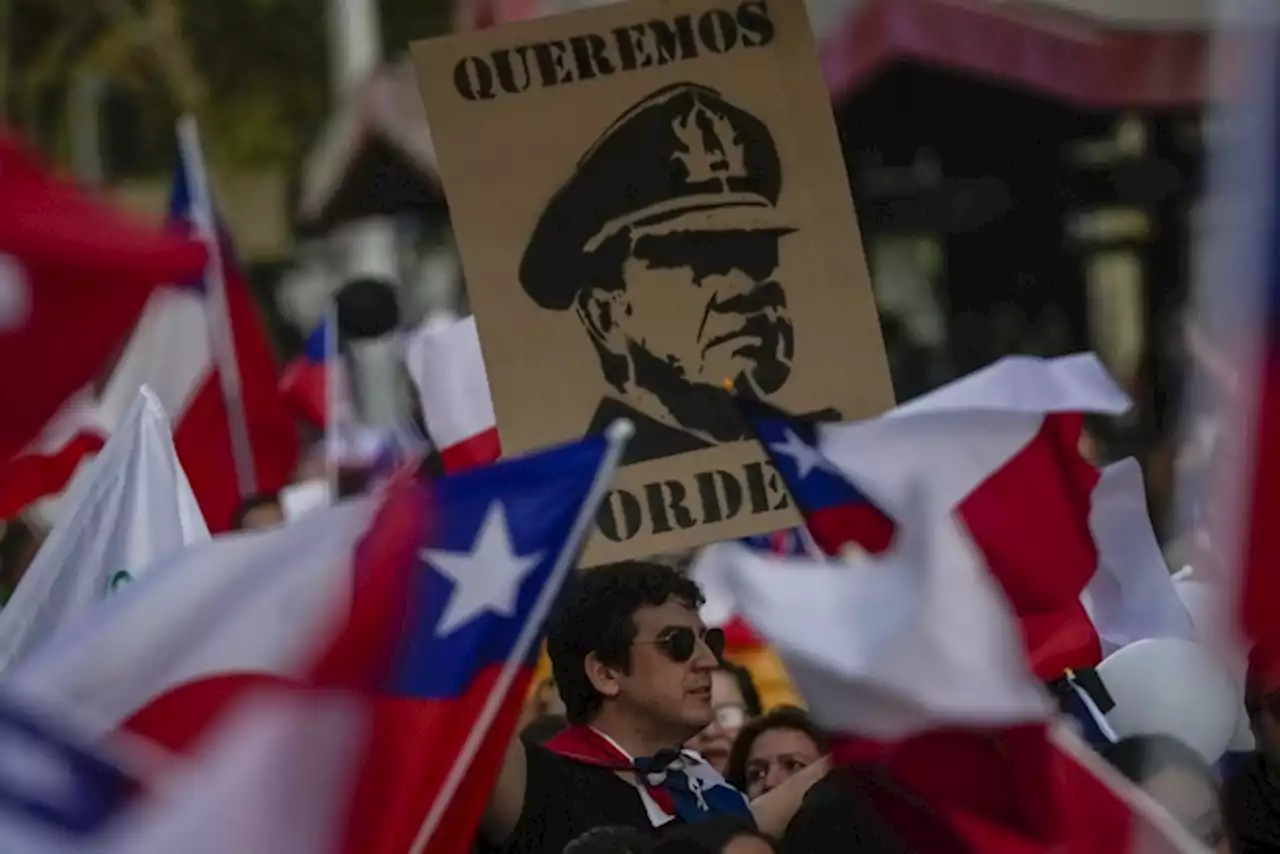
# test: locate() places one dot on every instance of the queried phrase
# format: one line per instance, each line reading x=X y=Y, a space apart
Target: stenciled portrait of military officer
x=665 y=243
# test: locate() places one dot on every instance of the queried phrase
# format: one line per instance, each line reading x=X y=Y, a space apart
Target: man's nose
x=704 y=658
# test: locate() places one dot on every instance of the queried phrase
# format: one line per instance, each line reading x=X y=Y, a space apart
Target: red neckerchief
x=583 y=744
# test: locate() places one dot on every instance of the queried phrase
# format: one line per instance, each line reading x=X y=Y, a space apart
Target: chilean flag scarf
x=673 y=784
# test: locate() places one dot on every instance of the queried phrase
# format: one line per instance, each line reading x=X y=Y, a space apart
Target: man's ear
x=603 y=677
x=600 y=311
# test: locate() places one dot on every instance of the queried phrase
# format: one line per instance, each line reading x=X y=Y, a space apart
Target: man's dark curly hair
x=595 y=615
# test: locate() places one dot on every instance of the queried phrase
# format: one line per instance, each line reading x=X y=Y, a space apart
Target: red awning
x=1075 y=58
x=1081 y=60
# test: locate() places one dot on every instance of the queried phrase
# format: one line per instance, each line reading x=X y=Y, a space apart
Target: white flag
x=132 y=507
x=253 y=603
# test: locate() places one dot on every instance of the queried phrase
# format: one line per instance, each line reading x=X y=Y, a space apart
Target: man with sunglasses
x=633 y=662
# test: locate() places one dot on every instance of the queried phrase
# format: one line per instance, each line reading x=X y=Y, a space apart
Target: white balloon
x=1174 y=687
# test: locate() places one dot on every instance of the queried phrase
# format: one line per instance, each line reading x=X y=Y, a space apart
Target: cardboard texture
x=649 y=198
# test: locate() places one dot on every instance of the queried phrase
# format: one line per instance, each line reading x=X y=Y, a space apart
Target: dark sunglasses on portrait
x=679 y=643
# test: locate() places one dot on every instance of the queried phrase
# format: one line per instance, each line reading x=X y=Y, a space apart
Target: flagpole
x=332 y=380
x=221 y=332
x=618 y=434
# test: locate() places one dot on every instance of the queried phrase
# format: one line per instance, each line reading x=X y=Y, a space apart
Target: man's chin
x=698 y=719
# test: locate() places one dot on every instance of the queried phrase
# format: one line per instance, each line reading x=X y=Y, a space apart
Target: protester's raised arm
x=507 y=799
x=774 y=810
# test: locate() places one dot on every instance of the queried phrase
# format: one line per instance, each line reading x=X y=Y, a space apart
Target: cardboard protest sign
x=649 y=198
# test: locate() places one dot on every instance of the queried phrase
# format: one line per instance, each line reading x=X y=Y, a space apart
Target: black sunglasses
x=680 y=642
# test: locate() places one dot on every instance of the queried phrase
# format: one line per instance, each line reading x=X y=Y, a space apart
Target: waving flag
x=133 y=507
x=304 y=384
x=1003 y=445
x=46 y=466
x=717 y=610
x=276 y=776
x=915 y=667
x=275 y=772
x=199 y=624
x=835 y=511
x=1130 y=597
x=1074 y=550
x=172 y=656
x=178 y=334
x=447 y=365
x=74 y=277
x=506 y=537
x=172 y=352
x=56 y=789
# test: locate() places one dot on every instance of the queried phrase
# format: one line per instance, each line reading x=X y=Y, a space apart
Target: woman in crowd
x=773 y=749
x=734 y=702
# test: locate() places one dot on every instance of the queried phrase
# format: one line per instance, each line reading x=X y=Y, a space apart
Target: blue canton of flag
x=50 y=779
x=835 y=511
x=318 y=344
x=501 y=533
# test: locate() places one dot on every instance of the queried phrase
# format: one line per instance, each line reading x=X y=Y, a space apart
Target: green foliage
x=262 y=65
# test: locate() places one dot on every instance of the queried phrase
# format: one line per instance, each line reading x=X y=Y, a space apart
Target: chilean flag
x=912 y=663
x=447 y=365
x=304 y=384
x=835 y=511
x=505 y=539
x=74 y=277
x=1003 y=445
x=459 y=624
x=1129 y=598
x=172 y=353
